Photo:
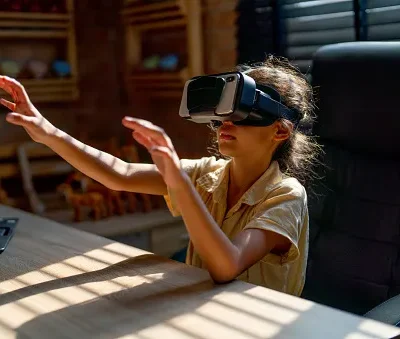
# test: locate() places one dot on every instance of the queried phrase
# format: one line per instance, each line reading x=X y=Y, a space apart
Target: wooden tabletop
x=58 y=282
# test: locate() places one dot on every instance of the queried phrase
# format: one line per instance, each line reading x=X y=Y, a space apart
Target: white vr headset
x=233 y=96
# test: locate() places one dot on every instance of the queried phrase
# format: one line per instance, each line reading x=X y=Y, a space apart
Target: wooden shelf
x=48 y=90
x=33 y=34
x=153 y=11
x=46 y=26
x=159 y=75
x=164 y=14
x=180 y=22
x=30 y=24
x=140 y=17
x=48 y=82
x=35 y=16
x=159 y=82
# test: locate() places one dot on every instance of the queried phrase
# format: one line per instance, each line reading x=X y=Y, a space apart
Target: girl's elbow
x=224 y=276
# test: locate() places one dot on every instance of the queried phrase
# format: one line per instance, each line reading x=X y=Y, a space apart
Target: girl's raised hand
x=158 y=143
x=23 y=113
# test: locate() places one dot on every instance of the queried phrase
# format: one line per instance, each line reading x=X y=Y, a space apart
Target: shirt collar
x=216 y=182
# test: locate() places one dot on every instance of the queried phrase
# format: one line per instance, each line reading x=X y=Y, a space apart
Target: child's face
x=250 y=141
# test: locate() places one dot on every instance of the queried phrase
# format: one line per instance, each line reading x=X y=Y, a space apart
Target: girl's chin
x=225 y=150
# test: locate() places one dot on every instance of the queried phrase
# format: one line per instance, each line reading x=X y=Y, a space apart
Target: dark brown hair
x=298 y=155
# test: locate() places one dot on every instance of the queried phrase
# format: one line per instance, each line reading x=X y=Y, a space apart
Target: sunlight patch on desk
x=124 y=250
x=6 y=332
x=277 y=314
x=66 y=283
x=106 y=256
x=230 y=317
x=213 y=330
x=35 y=277
x=375 y=328
x=21 y=314
x=28 y=308
x=160 y=331
x=278 y=298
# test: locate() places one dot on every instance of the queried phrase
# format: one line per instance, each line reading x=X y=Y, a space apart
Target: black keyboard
x=7 y=230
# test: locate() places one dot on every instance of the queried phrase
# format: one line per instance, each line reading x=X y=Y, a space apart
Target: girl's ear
x=283 y=129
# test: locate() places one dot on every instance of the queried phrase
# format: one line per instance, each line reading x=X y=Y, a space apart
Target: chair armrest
x=388 y=312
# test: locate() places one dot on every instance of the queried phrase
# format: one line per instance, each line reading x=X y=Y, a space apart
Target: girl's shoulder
x=202 y=165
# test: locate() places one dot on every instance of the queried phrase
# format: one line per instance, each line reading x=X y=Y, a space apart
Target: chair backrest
x=354 y=261
x=36 y=160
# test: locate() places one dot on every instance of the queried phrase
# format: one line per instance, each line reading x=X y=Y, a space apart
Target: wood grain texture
x=58 y=282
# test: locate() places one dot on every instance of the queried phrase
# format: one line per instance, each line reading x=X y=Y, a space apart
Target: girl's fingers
x=148 y=129
x=20 y=119
x=141 y=139
x=10 y=105
x=161 y=151
x=14 y=88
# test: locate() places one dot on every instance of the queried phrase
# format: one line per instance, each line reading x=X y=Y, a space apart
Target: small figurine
x=151 y=62
x=169 y=62
x=77 y=200
x=10 y=68
x=62 y=68
x=112 y=198
x=38 y=68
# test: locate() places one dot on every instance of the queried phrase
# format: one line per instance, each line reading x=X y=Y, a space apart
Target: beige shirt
x=274 y=202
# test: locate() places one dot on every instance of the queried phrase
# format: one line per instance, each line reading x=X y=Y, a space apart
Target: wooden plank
x=55 y=279
x=70 y=6
x=141 y=19
x=35 y=24
x=159 y=25
x=133 y=46
x=53 y=96
x=72 y=54
x=8 y=150
x=159 y=93
x=195 y=38
x=142 y=9
x=128 y=223
x=43 y=168
x=9 y=170
x=48 y=82
x=50 y=167
x=35 y=203
x=157 y=76
x=35 y=16
x=48 y=89
x=22 y=34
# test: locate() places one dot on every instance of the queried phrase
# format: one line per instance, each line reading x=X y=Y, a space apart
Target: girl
x=246 y=214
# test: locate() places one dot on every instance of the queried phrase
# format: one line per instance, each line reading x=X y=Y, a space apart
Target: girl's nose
x=227 y=122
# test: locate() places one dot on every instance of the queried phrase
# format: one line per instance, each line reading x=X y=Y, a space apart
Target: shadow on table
x=39 y=242
x=151 y=308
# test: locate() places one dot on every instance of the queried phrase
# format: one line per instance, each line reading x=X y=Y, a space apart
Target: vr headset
x=233 y=96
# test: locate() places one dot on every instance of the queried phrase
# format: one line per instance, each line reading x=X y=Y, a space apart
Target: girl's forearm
x=213 y=246
x=100 y=166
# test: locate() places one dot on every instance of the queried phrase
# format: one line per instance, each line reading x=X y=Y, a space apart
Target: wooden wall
x=103 y=100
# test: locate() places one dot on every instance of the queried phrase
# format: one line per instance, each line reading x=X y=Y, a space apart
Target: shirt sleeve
x=282 y=212
x=194 y=168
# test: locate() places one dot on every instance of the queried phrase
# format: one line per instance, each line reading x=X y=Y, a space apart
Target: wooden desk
x=58 y=282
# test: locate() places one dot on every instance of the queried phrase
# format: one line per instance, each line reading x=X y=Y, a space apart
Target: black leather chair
x=354 y=259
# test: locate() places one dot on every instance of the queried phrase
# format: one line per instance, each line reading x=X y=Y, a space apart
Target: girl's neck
x=244 y=172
